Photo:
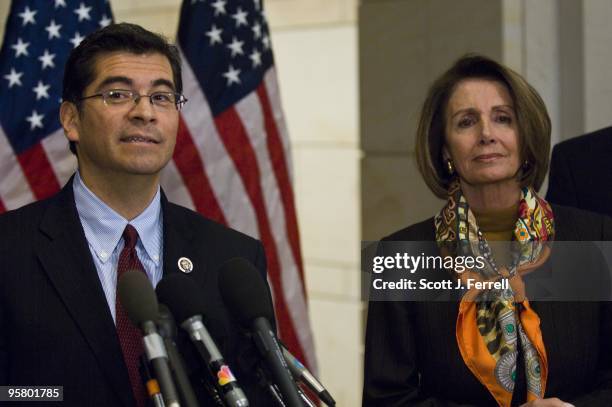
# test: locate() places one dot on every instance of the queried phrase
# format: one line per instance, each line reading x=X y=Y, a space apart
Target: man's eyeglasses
x=117 y=97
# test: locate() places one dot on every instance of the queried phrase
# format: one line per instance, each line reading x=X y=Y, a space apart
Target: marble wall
x=597 y=75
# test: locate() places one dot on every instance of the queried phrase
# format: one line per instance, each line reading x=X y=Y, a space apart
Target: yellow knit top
x=497 y=226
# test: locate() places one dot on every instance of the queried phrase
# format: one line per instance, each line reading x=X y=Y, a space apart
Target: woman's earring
x=525 y=167
x=450 y=168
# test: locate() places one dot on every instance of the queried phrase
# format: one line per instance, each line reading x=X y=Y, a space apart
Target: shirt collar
x=103 y=226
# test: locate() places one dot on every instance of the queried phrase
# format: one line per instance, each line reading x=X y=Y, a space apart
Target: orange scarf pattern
x=494 y=326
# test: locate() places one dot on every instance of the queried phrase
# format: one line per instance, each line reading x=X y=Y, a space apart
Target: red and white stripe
x=36 y=173
x=62 y=161
x=271 y=162
x=14 y=188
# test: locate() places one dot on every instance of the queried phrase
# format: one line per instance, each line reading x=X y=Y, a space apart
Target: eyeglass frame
x=180 y=98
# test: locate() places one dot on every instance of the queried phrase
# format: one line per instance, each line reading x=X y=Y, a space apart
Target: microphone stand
x=305 y=398
x=276 y=394
x=270 y=387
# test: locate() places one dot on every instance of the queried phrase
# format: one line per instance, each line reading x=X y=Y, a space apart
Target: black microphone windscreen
x=137 y=297
x=244 y=291
x=182 y=295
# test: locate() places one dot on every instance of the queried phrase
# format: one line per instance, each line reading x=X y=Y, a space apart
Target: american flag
x=232 y=158
x=34 y=160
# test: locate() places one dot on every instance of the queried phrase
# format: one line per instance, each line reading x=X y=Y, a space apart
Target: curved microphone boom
x=246 y=296
x=301 y=373
x=138 y=298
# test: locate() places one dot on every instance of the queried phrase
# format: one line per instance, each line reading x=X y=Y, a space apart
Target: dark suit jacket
x=55 y=325
x=581 y=172
x=411 y=352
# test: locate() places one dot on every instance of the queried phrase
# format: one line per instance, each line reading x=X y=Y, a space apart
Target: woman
x=483 y=145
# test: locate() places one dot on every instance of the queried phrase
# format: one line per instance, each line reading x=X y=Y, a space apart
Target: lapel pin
x=185 y=265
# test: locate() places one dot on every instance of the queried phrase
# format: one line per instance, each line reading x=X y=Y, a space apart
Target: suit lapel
x=179 y=242
x=68 y=263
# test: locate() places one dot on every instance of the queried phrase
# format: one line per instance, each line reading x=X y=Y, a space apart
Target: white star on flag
x=14 y=78
x=256 y=58
x=21 y=48
x=256 y=30
x=53 y=29
x=215 y=35
x=27 y=16
x=105 y=21
x=41 y=90
x=219 y=6
x=236 y=47
x=83 y=12
x=232 y=75
x=47 y=60
x=266 y=41
x=35 y=120
x=76 y=40
x=60 y=3
x=240 y=17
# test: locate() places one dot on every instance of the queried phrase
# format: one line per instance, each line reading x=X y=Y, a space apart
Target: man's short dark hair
x=79 y=68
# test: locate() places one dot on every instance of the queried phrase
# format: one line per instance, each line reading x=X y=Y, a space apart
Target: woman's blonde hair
x=533 y=122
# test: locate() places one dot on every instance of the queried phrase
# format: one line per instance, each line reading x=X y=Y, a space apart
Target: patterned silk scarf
x=494 y=326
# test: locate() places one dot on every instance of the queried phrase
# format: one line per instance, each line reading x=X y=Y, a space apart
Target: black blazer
x=581 y=172
x=55 y=325
x=411 y=353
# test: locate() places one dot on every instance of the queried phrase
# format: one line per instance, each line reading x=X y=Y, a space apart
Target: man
x=60 y=320
x=581 y=172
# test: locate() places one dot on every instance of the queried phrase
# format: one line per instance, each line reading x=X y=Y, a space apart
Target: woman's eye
x=466 y=122
x=504 y=119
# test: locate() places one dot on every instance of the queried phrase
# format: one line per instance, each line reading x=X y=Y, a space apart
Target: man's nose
x=142 y=110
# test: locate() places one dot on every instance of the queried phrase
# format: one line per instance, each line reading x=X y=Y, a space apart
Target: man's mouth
x=139 y=139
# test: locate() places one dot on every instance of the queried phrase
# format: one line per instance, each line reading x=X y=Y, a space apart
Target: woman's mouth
x=488 y=157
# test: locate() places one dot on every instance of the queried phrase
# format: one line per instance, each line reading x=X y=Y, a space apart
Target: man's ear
x=69 y=117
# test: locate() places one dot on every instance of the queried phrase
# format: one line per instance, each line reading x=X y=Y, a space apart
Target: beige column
x=403 y=46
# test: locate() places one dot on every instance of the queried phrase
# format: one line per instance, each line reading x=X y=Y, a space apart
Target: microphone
x=301 y=373
x=138 y=298
x=246 y=296
x=167 y=330
x=182 y=296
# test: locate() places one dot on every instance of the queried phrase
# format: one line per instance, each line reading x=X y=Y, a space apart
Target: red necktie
x=130 y=336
